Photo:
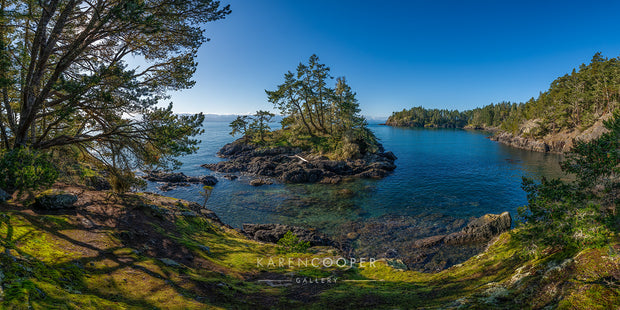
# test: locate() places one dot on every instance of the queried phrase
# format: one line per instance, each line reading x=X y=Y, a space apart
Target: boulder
x=345 y=192
x=390 y=156
x=169 y=262
x=235 y=148
x=231 y=177
x=208 y=180
x=481 y=229
x=54 y=199
x=4 y=196
x=331 y=180
x=98 y=183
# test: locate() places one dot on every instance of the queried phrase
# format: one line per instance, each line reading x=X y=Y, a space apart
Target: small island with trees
x=323 y=137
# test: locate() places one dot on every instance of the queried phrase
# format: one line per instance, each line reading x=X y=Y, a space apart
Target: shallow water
x=441 y=174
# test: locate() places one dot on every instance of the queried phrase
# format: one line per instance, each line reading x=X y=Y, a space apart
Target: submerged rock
x=345 y=192
x=260 y=182
x=231 y=177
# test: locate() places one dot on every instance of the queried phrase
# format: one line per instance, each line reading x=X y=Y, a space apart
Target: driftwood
x=301 y=158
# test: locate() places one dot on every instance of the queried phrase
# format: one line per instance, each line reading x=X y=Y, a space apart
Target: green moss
x=54 y=268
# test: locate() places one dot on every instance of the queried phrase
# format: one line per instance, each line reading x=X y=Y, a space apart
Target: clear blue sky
x=399 y=54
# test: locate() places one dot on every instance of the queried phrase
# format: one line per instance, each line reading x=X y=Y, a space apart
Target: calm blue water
x=447 y=172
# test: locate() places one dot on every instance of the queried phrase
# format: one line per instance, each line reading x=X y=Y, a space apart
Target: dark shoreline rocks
x=398 y=238
x=292 y=165
x=478 y=230
x=274 y=232
x=525 y=143
x=172 y=180
x=425 y=243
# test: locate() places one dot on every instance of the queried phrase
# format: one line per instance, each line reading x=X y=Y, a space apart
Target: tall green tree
x=240 y=126
x=260 y=125
x=305 y=96
x=345 y=109
x=324 y=112
x=69 y=76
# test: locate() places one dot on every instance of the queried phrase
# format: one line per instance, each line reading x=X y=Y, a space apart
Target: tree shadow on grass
x=134 y=256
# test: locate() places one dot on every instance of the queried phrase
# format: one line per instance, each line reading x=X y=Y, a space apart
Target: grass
x=57 y=262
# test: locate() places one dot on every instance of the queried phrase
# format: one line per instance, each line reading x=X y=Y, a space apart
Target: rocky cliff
x=559 y=142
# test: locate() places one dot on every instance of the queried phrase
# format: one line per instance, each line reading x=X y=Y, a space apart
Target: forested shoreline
x=573 y=102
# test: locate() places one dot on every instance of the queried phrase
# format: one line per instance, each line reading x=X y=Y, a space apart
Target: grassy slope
x=119 y=253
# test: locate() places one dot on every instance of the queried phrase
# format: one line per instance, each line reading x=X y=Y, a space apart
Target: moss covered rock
x=55 y=199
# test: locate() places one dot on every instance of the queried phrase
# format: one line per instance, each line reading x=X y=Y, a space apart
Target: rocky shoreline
x=172 y=180
x=559 y=142
x=409 y=242
x=292 y=165
x=527 y=143
x=400 y=240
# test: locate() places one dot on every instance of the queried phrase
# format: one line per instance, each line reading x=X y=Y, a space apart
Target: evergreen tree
x=260 y=125
x=65 y=82
x=240 y=126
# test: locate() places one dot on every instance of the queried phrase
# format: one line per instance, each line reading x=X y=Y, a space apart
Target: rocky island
x=292 y=165
x=323 y=137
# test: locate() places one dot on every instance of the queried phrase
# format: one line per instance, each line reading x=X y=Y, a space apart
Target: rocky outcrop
x=524 y=143
x=178 y=177
x=54 y=199
x=479 y=230
x=425 y=242
x=274 y=232
x=558 y=142
x=290 y=165
x=172 y=180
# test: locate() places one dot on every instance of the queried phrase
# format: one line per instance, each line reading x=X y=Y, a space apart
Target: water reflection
x=449 y=172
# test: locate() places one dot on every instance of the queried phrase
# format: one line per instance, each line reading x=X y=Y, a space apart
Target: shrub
x=581 y=213
x=24 y=169
x=122 y=181
x=290 y=243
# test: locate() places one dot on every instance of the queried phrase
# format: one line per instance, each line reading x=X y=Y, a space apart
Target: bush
x=122 y=180
x=24 y=169
x=290 y=243
x=581 y=213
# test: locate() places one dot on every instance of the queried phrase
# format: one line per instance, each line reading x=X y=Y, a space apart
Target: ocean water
x=441 y=174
